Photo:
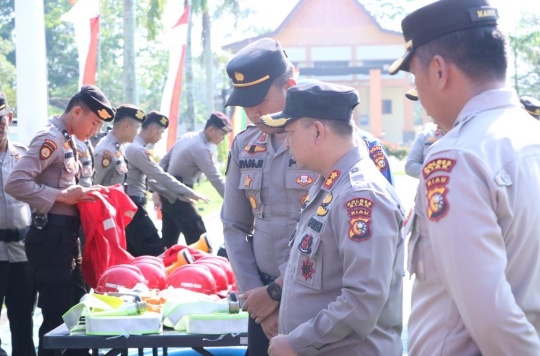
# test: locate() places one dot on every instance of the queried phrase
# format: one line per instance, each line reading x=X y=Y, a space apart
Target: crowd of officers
x=314 y=232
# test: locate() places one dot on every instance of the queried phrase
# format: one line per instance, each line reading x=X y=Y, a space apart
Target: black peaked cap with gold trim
x=438 y=19
x=412 y=94
x=130 y=111
x=253 y=70
x=96 y=101
x=156 y=117
x=324 y=101
x=531 y=105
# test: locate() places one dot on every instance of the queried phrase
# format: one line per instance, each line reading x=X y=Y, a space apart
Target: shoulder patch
x=437 y=204
x=438 y=165
x=359 y=210
x=107 y=158
x=47 y=148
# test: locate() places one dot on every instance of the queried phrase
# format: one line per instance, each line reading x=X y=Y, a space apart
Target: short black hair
x=341 y=128
x=480 y=52
x=76 y=101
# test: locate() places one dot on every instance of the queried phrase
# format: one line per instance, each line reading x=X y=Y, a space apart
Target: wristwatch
x=274 y=291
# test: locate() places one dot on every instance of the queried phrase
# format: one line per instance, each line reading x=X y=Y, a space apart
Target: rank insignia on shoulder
x=47 y=148
x=328 y=182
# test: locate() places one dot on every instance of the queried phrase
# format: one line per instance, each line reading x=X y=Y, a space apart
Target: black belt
x=138 y=200
x=12 y=235
x=180 y=179
x=69 y=221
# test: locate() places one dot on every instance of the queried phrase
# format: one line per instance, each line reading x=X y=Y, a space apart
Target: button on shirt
x=476 y=241
x=343 y=286
x=190 y=157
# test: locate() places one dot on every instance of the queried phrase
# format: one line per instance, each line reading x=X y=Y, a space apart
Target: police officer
x=531 y=105
x=45 y=178
x=475 y=242
x=342 y=288
x=420 y=149
x=191 y=156
x=17 y=289
x=111 y=164
x=141 y=234
x=264 y=186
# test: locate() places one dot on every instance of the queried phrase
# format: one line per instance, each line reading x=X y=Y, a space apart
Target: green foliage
x=395 y=150
x=206 y=188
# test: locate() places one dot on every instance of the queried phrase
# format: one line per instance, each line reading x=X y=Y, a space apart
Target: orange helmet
x=118 y=276
x=153 y=270
x=195 y=277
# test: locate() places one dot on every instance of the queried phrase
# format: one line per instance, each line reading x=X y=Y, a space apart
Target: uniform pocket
x=308 y=271
x=251 y=184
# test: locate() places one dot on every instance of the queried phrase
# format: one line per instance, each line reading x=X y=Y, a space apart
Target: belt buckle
x=39 y=220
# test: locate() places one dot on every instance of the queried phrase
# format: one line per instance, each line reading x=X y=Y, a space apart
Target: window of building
x=387 y=106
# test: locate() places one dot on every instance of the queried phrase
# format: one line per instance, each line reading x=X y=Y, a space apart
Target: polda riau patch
x=438 y=165
x=377 y=155
x=359 y=210
x=106 y=160
x=47 y=148
x=437 y=203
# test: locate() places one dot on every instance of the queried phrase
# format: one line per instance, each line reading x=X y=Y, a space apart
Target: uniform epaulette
x=248 y=127
x=18 y=144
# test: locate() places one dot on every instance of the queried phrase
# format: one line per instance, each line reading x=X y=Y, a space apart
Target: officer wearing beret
x=17 y=290
x=342 y=288
x=531 y=105
x=46 y=178
x=475 y=240
x=141 y=234
x=111 y=164
x=189 y=157
x=264 y=187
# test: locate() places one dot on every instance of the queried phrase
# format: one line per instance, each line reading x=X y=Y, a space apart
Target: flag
x=170 y=101
x=239 y=122
x=85 y=18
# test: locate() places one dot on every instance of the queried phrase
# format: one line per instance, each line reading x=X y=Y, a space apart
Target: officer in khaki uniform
x=17 y=290
x=109 y=155
x=141 y=233
x=420 y=148
x=475 y=242
x=46 y=178
x=190 y=157
x=86 y=161
x=342 y=291
x=264 y=189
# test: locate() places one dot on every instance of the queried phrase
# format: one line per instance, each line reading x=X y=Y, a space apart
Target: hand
x=280 y=346
x=196 y=196
x=258 y=303
x=157 y=200
x=76 y=194
x=270 y=324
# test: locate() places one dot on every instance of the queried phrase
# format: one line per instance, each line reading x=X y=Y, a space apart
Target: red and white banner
x=170 y=101
x=85 y=18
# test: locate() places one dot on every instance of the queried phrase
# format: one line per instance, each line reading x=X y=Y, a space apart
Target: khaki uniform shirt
x=49 y=166
x=342 y=290
x=85 y=159
x=110 y=161
x=475 y=246
x=263 y=196
x=141 y=166
x=190 y=157
x=14 y=214
x=419 y=150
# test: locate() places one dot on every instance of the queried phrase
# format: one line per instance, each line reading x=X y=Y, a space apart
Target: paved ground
x=406 y=188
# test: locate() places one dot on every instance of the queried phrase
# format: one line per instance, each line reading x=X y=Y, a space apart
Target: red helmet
x=153 y=270
x=225 y=265
x=194 y=277
x=222 y=283
x=115 y=277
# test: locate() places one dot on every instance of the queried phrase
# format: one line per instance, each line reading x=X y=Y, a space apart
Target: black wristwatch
x=274 y=291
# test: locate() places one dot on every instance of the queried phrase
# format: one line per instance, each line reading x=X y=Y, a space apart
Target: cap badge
x=103 y=114
x=2 y=106
x=164 y=121
x=238 y=76
x=139 y=114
